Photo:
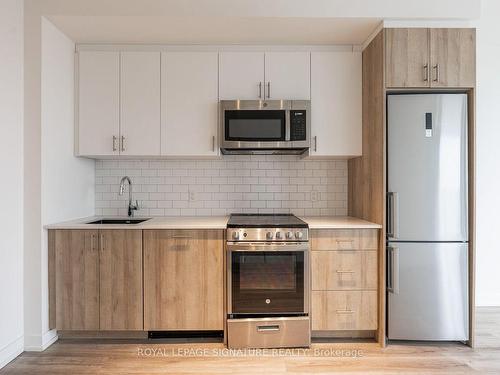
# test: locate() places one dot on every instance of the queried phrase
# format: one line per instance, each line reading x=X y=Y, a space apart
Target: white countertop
x=338 y=222
x=208 y=222
x=167 y=222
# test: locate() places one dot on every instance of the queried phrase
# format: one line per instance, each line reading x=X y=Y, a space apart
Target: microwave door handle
x=287 y=125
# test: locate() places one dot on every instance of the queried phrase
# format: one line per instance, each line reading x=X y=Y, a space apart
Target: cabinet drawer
x=339 y=310
x=334 y=270
x=344 y=239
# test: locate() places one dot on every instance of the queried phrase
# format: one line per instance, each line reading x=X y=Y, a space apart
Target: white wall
x=61 y=187
x=67 y=182
x=11 y=185
x=488 y=155
x=237 y=183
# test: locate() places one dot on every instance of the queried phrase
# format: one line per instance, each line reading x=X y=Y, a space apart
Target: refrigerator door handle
x=393 y=269
x=390 y=263
x=392 y=215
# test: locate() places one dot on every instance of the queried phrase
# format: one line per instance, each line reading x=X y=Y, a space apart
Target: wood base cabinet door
x=77 y=279
x=120 y=273
x=183 y=280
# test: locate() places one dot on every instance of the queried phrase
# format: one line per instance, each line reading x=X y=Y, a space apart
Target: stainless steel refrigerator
x=427 y=217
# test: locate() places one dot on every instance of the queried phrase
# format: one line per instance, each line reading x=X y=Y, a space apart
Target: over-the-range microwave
x=264 y=126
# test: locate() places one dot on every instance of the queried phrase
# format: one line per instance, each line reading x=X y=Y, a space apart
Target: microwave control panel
x=298 y=125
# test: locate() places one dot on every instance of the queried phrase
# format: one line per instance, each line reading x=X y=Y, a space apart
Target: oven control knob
x=298 y=235
x=278 y=235
x=289 y=235
x=236 y=235
x=269 y=235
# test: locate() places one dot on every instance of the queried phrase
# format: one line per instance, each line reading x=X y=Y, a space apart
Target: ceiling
x=239 y=21
x=215 y=30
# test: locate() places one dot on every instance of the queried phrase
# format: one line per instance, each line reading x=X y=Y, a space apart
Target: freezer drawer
x=428 y=291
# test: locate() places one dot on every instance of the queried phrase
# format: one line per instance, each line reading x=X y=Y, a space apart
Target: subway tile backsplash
x=264 y=184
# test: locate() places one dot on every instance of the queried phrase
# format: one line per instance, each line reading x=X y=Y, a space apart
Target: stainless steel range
x=268 y=281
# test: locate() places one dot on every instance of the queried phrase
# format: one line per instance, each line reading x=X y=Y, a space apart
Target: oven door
x=268 y=280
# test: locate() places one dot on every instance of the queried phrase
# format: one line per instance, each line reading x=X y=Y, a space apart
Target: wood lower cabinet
x=183 y=283
x=120 y=275
x=98 y=280
x=76 y=279
x=344 y=281
x=344 y=310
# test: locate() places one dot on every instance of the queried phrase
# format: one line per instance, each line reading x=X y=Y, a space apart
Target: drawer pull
x=350 y=241
x=345 y=271
x=182 y=237
x=268 y=328
x=345 y=311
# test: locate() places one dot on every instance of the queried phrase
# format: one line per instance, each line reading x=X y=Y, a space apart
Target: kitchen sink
x=118 y=221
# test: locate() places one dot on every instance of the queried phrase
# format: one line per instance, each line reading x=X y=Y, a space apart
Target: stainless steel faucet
x=131 y=207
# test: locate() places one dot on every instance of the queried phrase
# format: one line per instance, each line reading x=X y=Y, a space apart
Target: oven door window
x=255 y=126
x=267 y=282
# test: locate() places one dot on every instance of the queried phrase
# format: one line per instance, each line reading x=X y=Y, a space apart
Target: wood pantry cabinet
x=183 y=280
x=344 y=271
x=423 y=57
x=98 y=279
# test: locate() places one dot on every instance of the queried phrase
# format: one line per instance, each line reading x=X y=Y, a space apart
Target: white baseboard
x=37 y=343
x=11 y=351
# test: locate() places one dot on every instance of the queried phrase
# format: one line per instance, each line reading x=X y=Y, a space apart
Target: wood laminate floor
x=75 y=357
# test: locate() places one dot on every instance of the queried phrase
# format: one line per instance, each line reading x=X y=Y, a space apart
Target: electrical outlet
x=314 y=196
x=192 y=195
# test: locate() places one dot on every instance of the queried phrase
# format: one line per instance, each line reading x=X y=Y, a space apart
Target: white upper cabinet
x=241 y=75
x=140 y=103
x=189 y=103
x=336 y=104
x=287 y=75
x=270 y=75
x=98 y=118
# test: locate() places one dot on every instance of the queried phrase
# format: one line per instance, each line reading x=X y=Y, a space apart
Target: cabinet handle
x=345 y=271
x=345 y=311
x=315 y=143
x=268 y=328
x=182 y=237
x=114 y=143
x=426 y=72
x=213 y=143
x=123 y=143
x=268 y=89
x=102 y=242
x=92 y=242
x=260 y=89
x=436 y=67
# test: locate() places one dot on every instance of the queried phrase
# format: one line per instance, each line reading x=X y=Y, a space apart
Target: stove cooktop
x=265 y=221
